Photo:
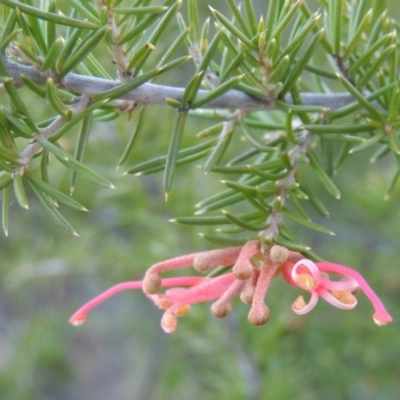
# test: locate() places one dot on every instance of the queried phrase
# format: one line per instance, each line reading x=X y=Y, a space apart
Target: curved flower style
x=310 y=276
x=80 y=316
x=251 y=276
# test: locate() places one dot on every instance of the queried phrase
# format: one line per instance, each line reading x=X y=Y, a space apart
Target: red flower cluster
x=251 y=275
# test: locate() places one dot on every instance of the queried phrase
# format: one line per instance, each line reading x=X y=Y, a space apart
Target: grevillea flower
x=311 y=276
x=251 y=276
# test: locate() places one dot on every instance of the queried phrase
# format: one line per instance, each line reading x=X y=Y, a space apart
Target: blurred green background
x=121 y=351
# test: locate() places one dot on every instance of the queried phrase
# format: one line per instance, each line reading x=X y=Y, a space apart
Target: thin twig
x=150 y=93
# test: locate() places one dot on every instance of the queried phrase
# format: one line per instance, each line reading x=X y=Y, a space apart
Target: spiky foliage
x=289 y=95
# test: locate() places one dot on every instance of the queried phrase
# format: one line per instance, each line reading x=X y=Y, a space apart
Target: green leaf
x=280 y=70
x=394 y=142
x=239 y=18
x=158 y=31
x=272 y=17
x=9 y=155
x=172 y=48
x=322 y=175
x=84 y=49
x=346 y=110
x=138 y=28
x=368 y=143
x=140 y=10
x=4 y=43
x=36 y=33
x=231 y=68
x=307 y=14
x=173 y=152
x=320 y=72
x=191 y=89
x=159 y=162
x=16 y=99
x=193 y=14
x=76 y=118
x=251 y=16
x=392 y=184
x=242 y=223
x=139 y=58
x=69 y=46
x=282 y=241
x=85 y=12
x=52 y=55
x=51 y=29
x=201 y=220
x=49 y=206
x=54 y=99
x=295 y=42
x=44 y=162
x=5 y=209
x=307 y=223
x=5 y=179
x=134 y=137
x=8 y=29
x=372 y=70
x=220 y=147
x=335 y=12
x=53 y=192
x=301 y=63
x=267 y=189
x=226 y=201
x=222 y=195
x=194 y=84
x=56 y=18
x=19 y=192
x=235 y=31
x=343 y=137
x=345 y=128
x=80 y=148
x=210 y=131
x=127 y=87
x=379 y=153
x=360 y=98
x=267 y=175
x=255 y=141
x=179 y=162
x=217 y=92
x=220 y=241
x=287 y=18
x=356 y=39
x=72 y=164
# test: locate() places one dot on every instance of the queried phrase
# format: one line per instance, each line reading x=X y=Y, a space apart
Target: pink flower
x=252 y=273
x=311 y=276
x=249 y=278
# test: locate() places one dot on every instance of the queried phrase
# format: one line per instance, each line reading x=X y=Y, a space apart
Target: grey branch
x=150 y=93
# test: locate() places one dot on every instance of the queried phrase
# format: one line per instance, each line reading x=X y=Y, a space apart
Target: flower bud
x=221 y=310
x=151 y=283
x=258 y=315
x=278 y=254
x=169 y=323
x=243 y=270
x=203 y=263
x=247 y=294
